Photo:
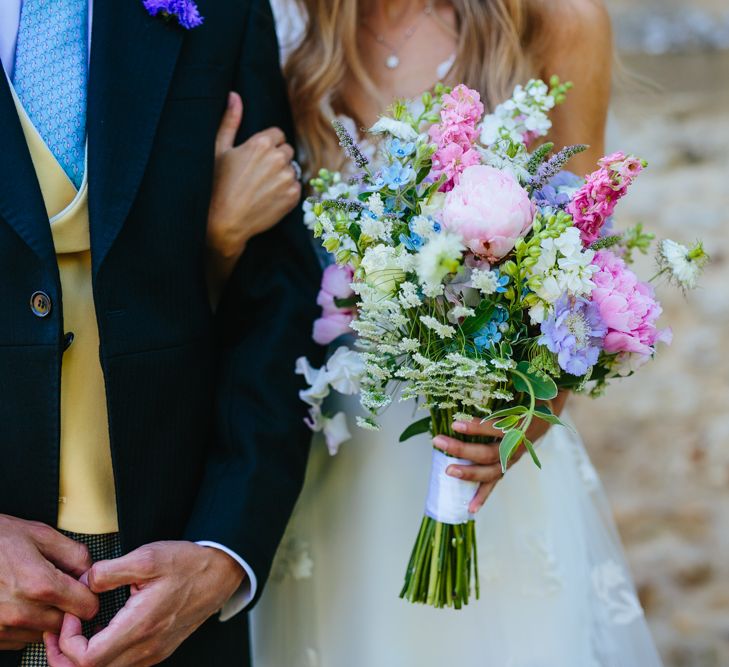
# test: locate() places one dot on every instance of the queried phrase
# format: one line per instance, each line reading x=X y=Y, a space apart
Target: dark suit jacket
x=206 y=427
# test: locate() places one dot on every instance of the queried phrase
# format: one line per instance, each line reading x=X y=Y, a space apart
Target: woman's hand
x=254 y=187
x=486 y=467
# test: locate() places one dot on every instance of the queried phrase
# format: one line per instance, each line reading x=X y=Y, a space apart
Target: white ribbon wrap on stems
x=448 y=497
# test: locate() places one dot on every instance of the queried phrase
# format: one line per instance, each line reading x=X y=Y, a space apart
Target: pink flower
x=627 y=306
x=595 y=201
x=490 y=211
x=460 y=112
x=335 y=321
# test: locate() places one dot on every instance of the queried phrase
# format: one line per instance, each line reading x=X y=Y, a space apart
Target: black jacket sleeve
x=257 y=465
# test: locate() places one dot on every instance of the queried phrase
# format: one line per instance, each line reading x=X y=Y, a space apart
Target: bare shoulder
x=572 y=29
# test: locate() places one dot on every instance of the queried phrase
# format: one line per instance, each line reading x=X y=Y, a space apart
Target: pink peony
x=335 y=321
x=627 y=306
x=489 y=210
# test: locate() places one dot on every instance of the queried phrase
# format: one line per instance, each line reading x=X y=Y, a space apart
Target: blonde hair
x=494 y=42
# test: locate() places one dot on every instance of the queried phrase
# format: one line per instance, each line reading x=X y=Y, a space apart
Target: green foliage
x=416 y=428
x=636 y=239
x=539 y=156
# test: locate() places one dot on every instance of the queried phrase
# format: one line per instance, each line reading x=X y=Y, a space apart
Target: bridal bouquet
x=480 y=279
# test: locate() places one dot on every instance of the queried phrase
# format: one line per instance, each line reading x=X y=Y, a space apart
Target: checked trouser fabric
x=101 y=547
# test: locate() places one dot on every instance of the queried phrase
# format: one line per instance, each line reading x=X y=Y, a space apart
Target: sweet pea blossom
x=335 y=320
x=489 y=210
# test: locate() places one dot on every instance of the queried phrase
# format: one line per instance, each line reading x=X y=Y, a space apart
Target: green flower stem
x=443 y=565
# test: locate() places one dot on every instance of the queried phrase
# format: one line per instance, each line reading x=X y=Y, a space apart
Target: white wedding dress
x=555 y=589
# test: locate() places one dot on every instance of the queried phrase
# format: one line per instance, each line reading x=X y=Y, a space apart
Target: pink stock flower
x=454 y=135
x=627 y=306
x=335 y=321
x=489 y=210
x=595 y=201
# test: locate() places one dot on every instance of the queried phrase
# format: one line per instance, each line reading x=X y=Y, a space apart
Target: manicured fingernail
x=441 y=443
x=454 y=472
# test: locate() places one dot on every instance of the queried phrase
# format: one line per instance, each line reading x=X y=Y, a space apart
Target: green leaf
x=420 y=426
x=507 y=412
x=476 y=322
x=355 y=231
x=545 y=414
x=509 y=444
x=350 y=302
x=530 y=448
x=506 y=423
x=544 y=389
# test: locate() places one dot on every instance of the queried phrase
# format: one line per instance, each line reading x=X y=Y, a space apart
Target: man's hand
x=486 y=467
x=175 y=588
x=39 y=569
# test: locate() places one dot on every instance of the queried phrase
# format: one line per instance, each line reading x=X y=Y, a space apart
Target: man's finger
x=12 y=646
x=478 y=453
x=71 y=646
x=136 y=567
x=66 y=554
x=54 y=654
x=17 y=636
x=72 y=597
x=35 y=618
x=225 y=139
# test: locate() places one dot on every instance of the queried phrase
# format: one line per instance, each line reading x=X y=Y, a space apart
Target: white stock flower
x=375 y=228
x=423 y=226
x=394 y=127
x=376 y=205
x=437 y=258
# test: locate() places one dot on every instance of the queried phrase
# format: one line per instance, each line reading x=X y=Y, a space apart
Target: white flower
x=383 y=268
x=344 y=371
x=367 y=424
x=394 y=127
x=375 y=228
x=683 y=265
x=437 y=258
x=443 y=330
x=460 y=312
x=434 y=205
x=376 y=205
x=318 y=380
x=423 y=226
x=485 y=281
x=336 y=432
x=408 y=296
x=409 y=344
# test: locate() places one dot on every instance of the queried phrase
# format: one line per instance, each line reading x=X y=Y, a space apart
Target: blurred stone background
x=661 y=439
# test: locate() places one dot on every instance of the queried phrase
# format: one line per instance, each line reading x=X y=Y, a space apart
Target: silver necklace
x=393 y=60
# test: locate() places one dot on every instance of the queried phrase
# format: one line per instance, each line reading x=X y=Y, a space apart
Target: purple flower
x=185 y=11
x=557 y=193
x=575 y=333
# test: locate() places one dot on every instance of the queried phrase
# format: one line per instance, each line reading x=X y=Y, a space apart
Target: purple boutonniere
x=184 y=11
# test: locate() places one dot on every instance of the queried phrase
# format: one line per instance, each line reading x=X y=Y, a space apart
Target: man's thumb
x=228 y=129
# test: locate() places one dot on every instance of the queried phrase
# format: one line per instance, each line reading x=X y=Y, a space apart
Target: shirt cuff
x=247 y=591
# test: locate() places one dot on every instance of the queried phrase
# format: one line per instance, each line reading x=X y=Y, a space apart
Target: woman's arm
x=254 y=187
x=577 y=47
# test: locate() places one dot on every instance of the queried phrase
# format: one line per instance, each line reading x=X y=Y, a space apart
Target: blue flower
x=501 y=282
x=401 y=149
x=185 y=11
x=436 y=227
x=557 y=193
x=488 y=336
x=575 y=333
x=397 y=175
x=412 y=242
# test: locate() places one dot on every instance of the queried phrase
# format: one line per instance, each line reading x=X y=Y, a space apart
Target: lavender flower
x=552 y=167
x=574 y=333
x=353 y=151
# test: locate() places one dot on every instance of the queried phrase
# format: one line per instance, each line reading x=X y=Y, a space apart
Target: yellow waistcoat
x=87 y=502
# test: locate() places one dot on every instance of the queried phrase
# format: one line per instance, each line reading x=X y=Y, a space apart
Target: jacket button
x=68 y=340
x=40 y=304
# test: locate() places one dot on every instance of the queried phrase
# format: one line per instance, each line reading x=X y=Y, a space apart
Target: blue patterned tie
x=51 y=65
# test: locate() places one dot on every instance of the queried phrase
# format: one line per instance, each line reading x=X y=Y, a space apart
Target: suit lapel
x=133 y=57
x=21 y=201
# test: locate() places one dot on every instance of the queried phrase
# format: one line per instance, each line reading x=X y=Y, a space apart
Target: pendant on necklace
x=392 y=61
